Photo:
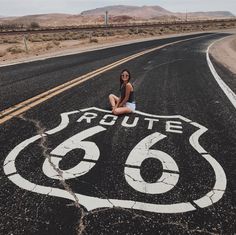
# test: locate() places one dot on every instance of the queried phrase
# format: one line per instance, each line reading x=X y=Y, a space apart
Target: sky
x=30 y=7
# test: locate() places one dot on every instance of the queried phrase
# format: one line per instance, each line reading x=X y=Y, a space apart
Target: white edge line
x=228 y=92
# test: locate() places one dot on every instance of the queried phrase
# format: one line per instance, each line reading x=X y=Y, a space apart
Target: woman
x=125 y=103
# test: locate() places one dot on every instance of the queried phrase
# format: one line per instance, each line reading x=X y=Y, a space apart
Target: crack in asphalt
x=185 y=227
x=41 y=131
x=158 y=181
x=42 y=144
x=81 y=227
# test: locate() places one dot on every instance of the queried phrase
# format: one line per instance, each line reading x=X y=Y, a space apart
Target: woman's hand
x=114 y=107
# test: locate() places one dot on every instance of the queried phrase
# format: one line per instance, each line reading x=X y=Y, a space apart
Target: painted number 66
x=133 y=163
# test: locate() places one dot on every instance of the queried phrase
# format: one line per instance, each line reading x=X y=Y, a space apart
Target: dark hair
x=124 y=70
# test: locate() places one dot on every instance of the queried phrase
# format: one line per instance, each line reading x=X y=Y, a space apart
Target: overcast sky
x=27 y=7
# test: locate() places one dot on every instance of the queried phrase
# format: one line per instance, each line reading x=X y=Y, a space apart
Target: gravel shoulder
x=224 y=52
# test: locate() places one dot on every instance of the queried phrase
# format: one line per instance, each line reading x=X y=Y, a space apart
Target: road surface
x=68 y=166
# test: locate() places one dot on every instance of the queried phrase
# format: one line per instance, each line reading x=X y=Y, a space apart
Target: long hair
x=124 y=70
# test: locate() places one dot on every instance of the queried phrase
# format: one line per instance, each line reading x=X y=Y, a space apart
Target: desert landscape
x=119 y=119
x=41 y=34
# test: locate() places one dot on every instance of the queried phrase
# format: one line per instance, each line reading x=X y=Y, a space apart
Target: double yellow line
x=22 y=107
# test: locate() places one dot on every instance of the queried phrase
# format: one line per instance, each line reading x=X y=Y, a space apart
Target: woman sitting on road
x=125 y=103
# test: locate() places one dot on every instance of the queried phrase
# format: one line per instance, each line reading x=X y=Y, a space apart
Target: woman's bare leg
x=113 y=100
x=121 y=110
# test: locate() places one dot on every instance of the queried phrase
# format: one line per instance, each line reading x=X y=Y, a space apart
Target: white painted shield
x=141 y=151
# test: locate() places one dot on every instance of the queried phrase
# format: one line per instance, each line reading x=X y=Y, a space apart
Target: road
x=70 y=167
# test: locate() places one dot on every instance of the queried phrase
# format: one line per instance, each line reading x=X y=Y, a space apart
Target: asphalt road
x=169 y=168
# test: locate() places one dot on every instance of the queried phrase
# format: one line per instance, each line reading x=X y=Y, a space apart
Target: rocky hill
x=149 y=12
x=117 y=14
x=145 y=12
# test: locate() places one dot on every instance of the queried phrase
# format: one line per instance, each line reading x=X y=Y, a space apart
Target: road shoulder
x=224 y=52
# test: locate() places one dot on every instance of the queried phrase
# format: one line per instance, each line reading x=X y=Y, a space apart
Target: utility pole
x=106 y=18
x=186 y=16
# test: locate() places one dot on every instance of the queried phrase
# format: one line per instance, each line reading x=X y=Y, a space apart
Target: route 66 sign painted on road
x=103 y=158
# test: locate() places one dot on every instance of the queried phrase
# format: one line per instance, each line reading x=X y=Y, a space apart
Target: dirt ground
x=13 y=48
x=224 y=51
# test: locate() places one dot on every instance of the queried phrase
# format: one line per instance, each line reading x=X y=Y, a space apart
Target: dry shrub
x=15 y=50
x=49 y=46
x=56 y=43
x=140 y=30
x=95 y=34
x=110 y=33
x=132 y=30
x=58 y=38
x=75 y=37
x=10 y=41
x=95 y=40
x=36 y=39
x=68 y=37
x=45 y=39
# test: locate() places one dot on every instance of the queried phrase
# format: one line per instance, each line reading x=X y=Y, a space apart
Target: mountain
x=149 y=12
x=117 y=14
x=144 y=12
x=216 y=14
x=49 y=20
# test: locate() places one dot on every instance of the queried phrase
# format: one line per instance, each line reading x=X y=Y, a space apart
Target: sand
x=224 y=51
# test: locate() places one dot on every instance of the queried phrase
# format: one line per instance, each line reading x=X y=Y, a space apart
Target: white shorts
x=131 y=106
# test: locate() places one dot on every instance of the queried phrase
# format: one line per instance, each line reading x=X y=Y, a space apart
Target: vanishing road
x=68 y=166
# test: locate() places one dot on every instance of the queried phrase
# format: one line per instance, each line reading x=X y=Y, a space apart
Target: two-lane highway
x=69 y=166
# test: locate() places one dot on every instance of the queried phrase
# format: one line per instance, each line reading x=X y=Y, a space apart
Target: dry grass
x=11 y=41
x=56 y=43
x=49 y=46
x=93 y=40
x=15 y=50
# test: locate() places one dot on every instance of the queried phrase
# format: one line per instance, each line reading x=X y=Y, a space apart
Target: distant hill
x=213 y=14
x=119 y=13
x=144 y=12
x=149 y=12
x=53 y=20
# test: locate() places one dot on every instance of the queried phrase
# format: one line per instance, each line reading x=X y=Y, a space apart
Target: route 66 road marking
x=142 y=150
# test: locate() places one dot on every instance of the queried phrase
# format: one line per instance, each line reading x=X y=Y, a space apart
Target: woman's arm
x=128 y=89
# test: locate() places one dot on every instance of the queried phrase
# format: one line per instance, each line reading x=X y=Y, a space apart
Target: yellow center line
x=22 y=107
